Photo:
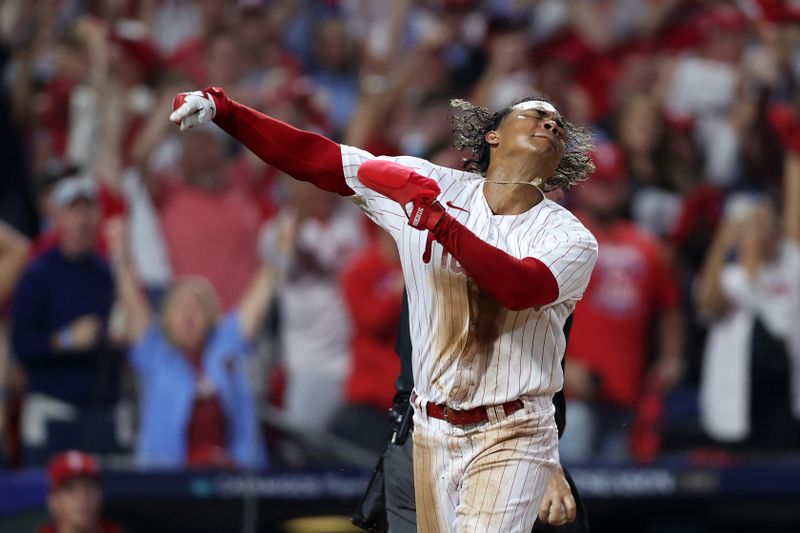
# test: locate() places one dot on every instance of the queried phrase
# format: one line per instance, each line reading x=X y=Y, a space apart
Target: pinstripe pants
x=483 y=477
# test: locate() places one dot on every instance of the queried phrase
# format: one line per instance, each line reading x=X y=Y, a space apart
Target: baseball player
x=493 y=270
x=561 y=510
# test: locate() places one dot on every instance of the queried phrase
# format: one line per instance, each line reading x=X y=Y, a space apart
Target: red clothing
x=207 y=433
x=369 y=286
x=631 y=282
x=214 y=235
x=517 y=284
x=104 y=526
x=257 y=183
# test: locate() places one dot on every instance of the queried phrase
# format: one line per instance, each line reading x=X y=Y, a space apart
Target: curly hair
x=471 y=125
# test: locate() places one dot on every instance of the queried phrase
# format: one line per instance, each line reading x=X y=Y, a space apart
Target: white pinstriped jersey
x=468 y=349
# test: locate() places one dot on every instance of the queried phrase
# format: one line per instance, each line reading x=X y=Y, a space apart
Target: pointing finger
x=182 y=112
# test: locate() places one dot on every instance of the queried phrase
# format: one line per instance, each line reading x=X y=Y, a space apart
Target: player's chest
x=513 y=234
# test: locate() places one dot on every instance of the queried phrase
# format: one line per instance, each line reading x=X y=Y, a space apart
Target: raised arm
x=710 y=299
x=791 y=195
x=304 y=155
x=256 y=301
x=129 y=293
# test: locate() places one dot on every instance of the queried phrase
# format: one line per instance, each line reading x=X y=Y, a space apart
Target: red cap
x=69 y=465
x=609 y=162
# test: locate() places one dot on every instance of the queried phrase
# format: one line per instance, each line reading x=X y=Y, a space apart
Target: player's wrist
x=426 y=215
x=221 y=101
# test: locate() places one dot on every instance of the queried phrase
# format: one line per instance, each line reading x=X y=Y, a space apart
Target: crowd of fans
x=206 y=310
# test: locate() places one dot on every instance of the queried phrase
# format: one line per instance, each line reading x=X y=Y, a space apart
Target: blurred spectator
x=61 y=310
x=703 y=86
x=644 y=138
x=210 y=60
x=333 y=69
x=207 y=222
x=76 y=497
x=373 y=289
x=109 y=206
x=314 y=237
x=750 y=291
x=632 y=288
x=195 y=403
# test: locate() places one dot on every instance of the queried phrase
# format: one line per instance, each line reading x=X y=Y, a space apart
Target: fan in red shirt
x=373 y=290
x=75 y=496
x=632 y=290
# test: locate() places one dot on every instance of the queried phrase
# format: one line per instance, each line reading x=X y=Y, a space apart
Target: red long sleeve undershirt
x=516 y=283
x=301 y=154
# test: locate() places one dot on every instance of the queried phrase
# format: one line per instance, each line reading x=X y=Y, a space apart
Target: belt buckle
x=446 y=414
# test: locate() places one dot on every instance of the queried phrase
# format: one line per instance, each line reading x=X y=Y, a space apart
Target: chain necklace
x=537 y=182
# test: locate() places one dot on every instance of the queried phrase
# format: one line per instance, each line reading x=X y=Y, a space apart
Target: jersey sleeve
x=570 y=254
x=387 y=213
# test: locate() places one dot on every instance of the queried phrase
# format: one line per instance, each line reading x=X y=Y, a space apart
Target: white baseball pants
x=486 y=477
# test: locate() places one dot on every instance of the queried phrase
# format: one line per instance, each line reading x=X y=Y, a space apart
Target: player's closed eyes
x=542 y=115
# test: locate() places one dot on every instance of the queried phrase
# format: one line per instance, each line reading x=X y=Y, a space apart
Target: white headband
x=536 y=104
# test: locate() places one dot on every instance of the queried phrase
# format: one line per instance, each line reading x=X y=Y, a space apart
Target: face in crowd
x=75 y=505
x=78 y=224
x=190 y=311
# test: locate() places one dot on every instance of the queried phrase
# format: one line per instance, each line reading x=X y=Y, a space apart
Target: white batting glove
x=193 y=109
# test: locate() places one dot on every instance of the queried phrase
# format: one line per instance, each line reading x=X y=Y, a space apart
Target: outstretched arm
x=304 y=155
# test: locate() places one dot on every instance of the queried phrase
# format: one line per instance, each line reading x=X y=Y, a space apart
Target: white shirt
x=469 y=350
x=773 y=295
x=315 y=325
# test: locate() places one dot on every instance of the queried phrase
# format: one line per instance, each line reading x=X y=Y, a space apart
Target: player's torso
x=469 y=349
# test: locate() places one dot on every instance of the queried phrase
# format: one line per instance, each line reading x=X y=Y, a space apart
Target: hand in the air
x=558 y=505
x=415 y=193
x=193 y=109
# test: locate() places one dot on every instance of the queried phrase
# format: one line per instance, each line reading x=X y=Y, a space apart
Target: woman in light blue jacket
x=196 y=407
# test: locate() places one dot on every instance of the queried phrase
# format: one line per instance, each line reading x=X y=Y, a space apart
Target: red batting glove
x=404 y=186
